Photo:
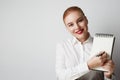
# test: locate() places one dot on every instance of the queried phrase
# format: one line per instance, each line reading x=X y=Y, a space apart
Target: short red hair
x=70 y=9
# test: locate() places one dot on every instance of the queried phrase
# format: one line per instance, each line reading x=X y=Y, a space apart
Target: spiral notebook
x=103 y=42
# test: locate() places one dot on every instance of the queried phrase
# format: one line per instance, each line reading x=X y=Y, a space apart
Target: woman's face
x=76 y=24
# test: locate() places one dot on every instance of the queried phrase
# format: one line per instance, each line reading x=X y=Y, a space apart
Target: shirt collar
x=75 y=41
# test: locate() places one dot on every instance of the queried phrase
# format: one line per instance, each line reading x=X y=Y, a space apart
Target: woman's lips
x=79 y=31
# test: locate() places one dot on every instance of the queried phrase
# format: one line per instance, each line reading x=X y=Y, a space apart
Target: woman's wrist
x=90 y=66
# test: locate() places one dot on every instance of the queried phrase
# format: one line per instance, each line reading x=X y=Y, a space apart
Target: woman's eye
x=80 y=20
x=70 y=25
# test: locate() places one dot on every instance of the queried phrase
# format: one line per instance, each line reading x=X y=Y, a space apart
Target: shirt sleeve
x=72 y=73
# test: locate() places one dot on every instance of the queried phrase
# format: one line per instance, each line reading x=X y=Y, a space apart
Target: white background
x=30 y=29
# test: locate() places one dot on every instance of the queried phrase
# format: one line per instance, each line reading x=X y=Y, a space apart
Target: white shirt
x=71 y=58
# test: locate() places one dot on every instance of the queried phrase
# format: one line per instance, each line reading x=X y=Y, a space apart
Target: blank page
x=102 y=42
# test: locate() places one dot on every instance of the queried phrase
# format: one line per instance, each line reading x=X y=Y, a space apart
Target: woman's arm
x=64 y=73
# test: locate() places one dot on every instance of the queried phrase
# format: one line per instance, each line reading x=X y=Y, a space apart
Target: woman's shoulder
x=65 y=41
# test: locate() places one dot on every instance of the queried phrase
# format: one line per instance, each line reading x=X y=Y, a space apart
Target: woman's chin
x=81 y=37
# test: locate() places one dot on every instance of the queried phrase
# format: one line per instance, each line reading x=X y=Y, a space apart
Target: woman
x=72 y=55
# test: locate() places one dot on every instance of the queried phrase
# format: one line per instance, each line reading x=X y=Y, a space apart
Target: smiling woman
x=72 y=55
x=76 y=23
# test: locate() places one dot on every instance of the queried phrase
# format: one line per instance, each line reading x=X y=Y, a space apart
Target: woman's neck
x=85 y=38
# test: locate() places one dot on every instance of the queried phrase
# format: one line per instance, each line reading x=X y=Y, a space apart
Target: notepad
x=103 y=42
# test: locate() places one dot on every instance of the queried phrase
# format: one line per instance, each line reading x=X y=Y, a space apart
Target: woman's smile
x=79 y=31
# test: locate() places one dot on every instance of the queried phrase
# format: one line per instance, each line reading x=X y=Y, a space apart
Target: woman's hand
x=109 y=65
x=97 y=61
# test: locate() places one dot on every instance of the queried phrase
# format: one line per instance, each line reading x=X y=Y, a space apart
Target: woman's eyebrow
x=69 y=23
x=81 y=17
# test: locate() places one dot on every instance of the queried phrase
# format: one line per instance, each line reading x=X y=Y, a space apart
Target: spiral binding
x=103 y=35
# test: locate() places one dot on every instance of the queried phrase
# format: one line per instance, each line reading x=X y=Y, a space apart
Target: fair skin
x=77 y=24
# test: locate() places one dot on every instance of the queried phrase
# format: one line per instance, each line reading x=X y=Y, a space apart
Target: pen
x=100 y=54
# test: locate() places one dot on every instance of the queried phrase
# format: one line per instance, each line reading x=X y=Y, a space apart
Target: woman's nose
x=77 y=26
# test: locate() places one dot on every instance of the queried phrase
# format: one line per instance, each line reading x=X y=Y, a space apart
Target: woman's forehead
x=76 y=13
x=73 y=14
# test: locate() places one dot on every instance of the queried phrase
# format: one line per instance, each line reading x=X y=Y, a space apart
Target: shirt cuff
x=82 y=69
